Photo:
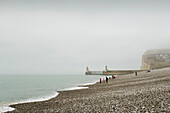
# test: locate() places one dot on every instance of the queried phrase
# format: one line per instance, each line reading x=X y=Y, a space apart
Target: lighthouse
x=87 y=69
x=106 y=69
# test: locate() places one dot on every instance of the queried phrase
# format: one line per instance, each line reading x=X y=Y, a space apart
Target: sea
x=31 y=88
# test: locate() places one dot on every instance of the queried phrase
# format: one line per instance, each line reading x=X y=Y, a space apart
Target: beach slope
x=147 y=92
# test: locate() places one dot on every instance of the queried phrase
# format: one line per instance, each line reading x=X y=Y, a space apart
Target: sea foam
x=74 y=88
x=5 y=107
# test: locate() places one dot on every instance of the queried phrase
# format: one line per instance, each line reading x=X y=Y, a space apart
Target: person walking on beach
x=103 y=80
x=136 y=73
x=100 y=80
x=106 y=80
x=113 y=77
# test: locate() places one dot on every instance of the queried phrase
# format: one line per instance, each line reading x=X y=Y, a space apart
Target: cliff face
x=154 y=59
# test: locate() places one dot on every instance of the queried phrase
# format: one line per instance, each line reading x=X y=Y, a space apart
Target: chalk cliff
x=154 y=59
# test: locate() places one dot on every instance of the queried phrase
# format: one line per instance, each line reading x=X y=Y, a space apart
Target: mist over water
x=58 y=37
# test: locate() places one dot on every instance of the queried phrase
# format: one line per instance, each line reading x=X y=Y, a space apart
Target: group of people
x=107 y=79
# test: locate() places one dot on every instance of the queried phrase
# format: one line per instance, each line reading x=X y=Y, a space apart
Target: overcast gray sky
x=58 y=37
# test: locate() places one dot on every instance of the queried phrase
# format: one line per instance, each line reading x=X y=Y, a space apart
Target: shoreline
x=6 y=107
x=123 y=94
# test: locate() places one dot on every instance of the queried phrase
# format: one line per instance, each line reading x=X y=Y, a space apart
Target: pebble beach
x=148 y=92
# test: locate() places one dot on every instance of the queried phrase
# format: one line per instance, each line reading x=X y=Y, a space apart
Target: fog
x=63 y=37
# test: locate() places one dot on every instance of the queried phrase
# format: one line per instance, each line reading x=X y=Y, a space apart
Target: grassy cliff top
x=157 y=51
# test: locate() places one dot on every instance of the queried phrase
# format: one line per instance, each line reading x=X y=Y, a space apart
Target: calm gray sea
x=27 y=88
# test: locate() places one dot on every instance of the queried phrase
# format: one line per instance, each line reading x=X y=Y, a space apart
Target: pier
x=110 y=72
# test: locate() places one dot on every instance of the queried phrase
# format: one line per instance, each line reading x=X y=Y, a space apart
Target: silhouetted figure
x=136 y=73
x=107 y=80
x=100 y=80
x=148 y=71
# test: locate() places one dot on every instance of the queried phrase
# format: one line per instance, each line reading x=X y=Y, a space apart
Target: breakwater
x=111 y=72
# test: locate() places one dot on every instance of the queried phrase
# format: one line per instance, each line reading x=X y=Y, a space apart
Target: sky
x=65 y=36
